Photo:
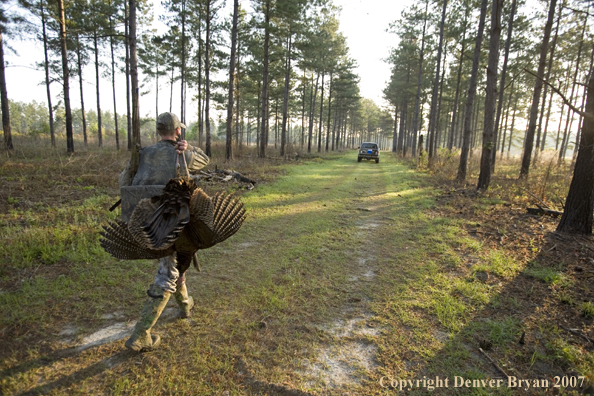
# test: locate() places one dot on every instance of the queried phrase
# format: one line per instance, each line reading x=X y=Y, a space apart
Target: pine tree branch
x=579 y=11
x=565 y=100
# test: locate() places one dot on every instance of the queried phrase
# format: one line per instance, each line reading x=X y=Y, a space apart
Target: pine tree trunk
x=577 y=216
x=229 y=142
x=402 y=141
x=311 y=114
x=334 y=122
x=544 y=95
x=457 y=94
x=475 y=128
x=438 y=124
x=461 y=176
x=339 y=128
x=303 y=112
x=65 y=75
x=329 y=112
x=127 y=45
x=418 y=98
x=544 y=133
x=47 y=78
x=511 y=129
x=200 y=118
x=82 y=99
x=567 y=130
x=4 y=97
x=395 y=132
x=171 y=79
x=286 y=99
x=207 y=79
x=156 y=97
x=580 y=123
x=401 y=149
x=491 y=97
x=136 y=142
x=258 y=113
x=115 y=111
x=99 y=127
x=239 y=128
x=264 y=123
x=510 y=27
x=321 y=116
x=433 y=113
x=275 y=122
x=537 y=91
x=507 y=110
x=558 y=140
x=182 y=116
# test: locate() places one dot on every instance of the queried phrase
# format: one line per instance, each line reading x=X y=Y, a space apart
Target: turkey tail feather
x=229 y=215
x=120 y=243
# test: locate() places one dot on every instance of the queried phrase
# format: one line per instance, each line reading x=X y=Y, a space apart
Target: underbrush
x=546 y=185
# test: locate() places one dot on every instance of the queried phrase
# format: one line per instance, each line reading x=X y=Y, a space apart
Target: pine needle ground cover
x=344 y=278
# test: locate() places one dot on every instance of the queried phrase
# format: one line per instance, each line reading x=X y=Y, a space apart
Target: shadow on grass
x=82 y=374
x=521 y=329
x=47 y=360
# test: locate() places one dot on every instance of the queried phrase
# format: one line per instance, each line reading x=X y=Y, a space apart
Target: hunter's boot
x=185 y=302
x=141 y=339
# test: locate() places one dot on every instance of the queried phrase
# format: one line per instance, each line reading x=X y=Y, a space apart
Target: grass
x=587 y=309
x=499 y=263
x=327 y=242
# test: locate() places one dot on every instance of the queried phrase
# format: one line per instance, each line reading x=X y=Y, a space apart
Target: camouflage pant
x=167 y=277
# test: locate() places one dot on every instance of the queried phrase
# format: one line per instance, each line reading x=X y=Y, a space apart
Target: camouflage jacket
x=158 y=164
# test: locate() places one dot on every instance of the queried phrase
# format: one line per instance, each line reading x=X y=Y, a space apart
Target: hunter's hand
x=181 y=146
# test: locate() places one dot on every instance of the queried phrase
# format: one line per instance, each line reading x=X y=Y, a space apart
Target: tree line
x=290 y=79
x=465 y=72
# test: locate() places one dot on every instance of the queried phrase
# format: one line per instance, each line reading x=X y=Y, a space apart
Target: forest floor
x=346 y=279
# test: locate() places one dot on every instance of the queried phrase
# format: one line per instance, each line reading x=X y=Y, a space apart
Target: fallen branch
x=236 y=175
x=493 y=362
x=577 y=333
x=221 y=175
x=535 y=197
x=543 y=211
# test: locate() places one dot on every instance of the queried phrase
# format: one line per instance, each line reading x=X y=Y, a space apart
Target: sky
x=364 y=24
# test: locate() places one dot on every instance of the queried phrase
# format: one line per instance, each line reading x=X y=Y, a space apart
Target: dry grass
x=548 y=181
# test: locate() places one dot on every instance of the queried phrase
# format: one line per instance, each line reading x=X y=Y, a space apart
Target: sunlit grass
x=500 y=263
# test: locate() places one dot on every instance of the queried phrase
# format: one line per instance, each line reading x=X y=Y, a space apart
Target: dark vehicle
x=368 y=151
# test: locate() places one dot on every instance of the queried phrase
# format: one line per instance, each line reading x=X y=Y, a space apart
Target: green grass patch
x=551 y=275
x=587 y=309
x=499 y=263
x=47 y=236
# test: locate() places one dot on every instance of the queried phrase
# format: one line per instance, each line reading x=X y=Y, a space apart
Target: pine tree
x=529 y=141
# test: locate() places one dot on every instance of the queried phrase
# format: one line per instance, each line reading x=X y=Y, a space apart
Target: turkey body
x=183 y=220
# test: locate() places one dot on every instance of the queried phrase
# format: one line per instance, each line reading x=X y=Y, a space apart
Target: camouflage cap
x=168 y=122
